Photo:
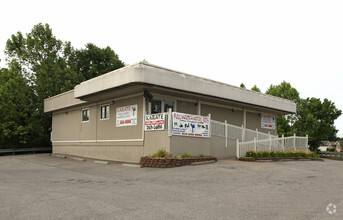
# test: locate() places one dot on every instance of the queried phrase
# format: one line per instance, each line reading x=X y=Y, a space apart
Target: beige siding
x=112 y=153
x=222 y=114
x=107 y=130
x=180 y=145
x=155 y=140
x=219 y=150
x=186 y=107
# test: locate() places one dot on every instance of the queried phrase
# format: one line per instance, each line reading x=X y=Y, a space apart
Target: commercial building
x=108 y=117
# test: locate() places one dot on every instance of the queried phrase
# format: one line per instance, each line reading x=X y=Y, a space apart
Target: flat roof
x=147 y=73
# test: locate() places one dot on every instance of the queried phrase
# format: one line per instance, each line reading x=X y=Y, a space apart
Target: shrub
x=185 y=155
x=162 y=154
x=291 y=154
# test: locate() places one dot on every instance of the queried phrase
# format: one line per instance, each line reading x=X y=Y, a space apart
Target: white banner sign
x=126 y=116
x=191 y=125
x=155 y=121
x=268 y=121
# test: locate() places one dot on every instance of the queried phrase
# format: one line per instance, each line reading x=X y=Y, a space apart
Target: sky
x=260 y=42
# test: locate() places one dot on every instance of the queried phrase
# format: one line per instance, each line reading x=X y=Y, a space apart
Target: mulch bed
x=172 y=162
x=276 y=159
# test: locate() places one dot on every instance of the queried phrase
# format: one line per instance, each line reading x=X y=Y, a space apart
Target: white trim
x=89 y=116
x=143 y=118
x=98 y=141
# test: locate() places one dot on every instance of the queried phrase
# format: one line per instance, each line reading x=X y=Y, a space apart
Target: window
x=85 y=115
x=160 y=105
x=104 y=112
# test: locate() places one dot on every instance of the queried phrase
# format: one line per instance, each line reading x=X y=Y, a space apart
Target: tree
x=316 y=118
x=16 y=109
x=242 y=86
x=313 y=117
x=94 y=61
x=52 y=66
x=255 y=88
x=286 y=91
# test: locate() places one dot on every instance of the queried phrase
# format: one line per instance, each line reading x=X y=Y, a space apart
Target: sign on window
x=268 y=121
x=190 y=125
x=126 y=116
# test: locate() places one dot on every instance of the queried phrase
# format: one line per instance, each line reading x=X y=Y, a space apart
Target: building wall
x=222 y=114
x=219 y=150
x=186 y=107
x=156 y=140
x=191 y=145
x=101 y=139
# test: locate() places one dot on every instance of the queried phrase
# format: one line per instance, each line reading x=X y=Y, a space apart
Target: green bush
x=290 y=154
x=162 y=154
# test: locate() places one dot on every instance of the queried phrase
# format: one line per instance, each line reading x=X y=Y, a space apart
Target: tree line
x=313 y=117
x=40 y=66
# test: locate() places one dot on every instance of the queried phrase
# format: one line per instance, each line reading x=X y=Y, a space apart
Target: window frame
x=162 y=105
x=108 y=113
x=89 y=114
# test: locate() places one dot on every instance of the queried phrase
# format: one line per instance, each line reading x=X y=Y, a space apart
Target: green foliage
x=16 y=109
x=50 y=66
x=316 y=118
x=255 y=88
x=242 y=86
x=162 y=154
x=281 y=154
x=186 y=155
x=284 y=90
x=313 y=117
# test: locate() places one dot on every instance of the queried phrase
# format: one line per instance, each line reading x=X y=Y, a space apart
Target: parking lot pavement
x=45 y=187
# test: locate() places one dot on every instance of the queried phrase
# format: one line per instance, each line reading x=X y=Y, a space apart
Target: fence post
x=243 y=133
x=170 y=123
x=255 y=143
x=225 y=133
x=283 y=142
x=210 y=131
x=294 y=142
x=257 y=134
x=270 y=143
x=237 y=148
x=307 y=142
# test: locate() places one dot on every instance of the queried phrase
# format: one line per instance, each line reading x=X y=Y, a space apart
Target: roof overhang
x=144 y=73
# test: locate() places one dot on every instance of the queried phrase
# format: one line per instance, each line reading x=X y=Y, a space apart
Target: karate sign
x=191 y=125
x=126 y=116
x=155 y=121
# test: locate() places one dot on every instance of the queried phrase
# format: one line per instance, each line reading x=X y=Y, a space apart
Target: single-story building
x=108 y=117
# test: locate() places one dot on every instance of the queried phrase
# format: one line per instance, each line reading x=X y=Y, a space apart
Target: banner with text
x=155 y=122
x=126 y=116
x=191 y=125
x=268 y=121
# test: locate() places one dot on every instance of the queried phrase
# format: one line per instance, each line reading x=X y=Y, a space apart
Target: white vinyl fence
x=277 y=144
x=223 y=129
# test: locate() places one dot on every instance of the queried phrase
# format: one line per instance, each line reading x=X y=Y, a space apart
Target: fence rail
x=277 y=144
x=223 y=129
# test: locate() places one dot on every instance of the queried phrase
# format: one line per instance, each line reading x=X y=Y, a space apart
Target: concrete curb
x=101 y=162
x=77 y=158
x=131 y=165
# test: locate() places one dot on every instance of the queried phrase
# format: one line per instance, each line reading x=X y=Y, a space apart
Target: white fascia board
x=155 y=75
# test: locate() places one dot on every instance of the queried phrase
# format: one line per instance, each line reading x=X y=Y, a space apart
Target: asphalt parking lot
x=46 y=187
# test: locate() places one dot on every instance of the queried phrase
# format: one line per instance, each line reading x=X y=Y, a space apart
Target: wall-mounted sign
x=126 y=116
x=190 y=125
x=268 y=121
x=155 y=121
